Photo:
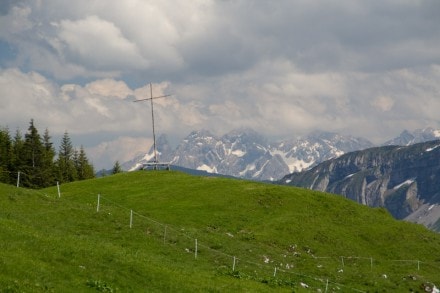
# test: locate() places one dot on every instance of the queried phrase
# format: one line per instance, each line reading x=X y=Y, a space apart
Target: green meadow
x=166 y=231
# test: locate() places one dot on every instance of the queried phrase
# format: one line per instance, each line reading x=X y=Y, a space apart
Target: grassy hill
x=166 y=231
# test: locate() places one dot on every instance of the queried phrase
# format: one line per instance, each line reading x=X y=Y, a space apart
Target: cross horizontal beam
x=153 y=98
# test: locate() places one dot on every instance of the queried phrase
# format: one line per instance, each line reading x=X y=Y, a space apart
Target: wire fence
x=239 y=267
x=18 y=177
x=285 y=269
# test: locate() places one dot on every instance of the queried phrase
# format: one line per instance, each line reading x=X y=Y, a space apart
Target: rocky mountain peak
x=245 y=136
x=419 y=135
x=400 y=178
x=247 y=154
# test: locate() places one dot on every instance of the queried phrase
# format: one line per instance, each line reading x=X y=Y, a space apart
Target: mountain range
x=244 y=153
x=401 y=175
x=403 y=179
x=247 y=154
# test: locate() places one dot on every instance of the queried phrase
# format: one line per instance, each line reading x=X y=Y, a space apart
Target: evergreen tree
x=33 y=157
x=48 y=165
x=5 y=155
x=65 y=163
x=83 y=168
x=17 y=156
x=116 y=168
x=75 y=161
x=33 y=146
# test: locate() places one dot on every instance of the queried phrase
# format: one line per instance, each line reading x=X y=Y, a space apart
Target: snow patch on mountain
x=207 y=169
x=349 y=176
x=406 y=182
x=137 y=166
x=238 y=153
x=431 y=149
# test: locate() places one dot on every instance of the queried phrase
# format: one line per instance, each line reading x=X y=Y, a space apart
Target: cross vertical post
x=152 y=120
x=151 y=98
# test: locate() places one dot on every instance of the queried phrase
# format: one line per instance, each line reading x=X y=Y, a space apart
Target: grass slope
x=63 y=244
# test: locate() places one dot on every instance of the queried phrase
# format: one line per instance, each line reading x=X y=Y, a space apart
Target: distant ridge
x=244 y=153
x=171 y=232
x=403 y=179
x=419 y=135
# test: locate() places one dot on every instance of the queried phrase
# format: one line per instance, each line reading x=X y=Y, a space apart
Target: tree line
x=35 y=157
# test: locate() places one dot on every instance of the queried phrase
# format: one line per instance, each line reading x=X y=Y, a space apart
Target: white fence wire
x=172 y=235
x=235 y=263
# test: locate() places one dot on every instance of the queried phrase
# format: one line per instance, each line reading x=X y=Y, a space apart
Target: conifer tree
x=83 y=168
x=33 y=157
x=116 y=168
x=5 y=155
x=65 y=163
x=17 y=157
x=48 y=165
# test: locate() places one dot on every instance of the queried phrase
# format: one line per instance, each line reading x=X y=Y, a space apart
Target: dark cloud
x=6 y=5
x=218 y=37
x=369 y=68
x=342 y=35
x=218 y=53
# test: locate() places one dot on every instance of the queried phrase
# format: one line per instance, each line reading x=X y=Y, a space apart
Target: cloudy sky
x=285 y=68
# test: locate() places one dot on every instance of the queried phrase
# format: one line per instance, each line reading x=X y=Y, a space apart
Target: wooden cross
x=151 y=98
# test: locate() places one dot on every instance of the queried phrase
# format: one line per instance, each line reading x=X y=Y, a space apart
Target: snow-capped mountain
x=303 y=153
x=164 y=153
x=246 y=154
x=402 y=179
x=419 y=135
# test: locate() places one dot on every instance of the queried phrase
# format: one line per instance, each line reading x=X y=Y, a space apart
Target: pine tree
x=83 y=167
x=5 y=155
x=33 y=157
x=48 y=165
x=116 y=168
x=65 y=163
x=17 y=156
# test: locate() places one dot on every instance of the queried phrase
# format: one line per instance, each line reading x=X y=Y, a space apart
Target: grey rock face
x=401 y=179
x=417 y=136
x=246 y=154
x=397 y=178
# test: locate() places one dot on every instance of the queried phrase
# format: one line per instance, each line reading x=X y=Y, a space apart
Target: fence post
x=18 y=179
x=342 y=260
x=233 y=265
x=131 y=218
x=97 y=205
x=275 y=272
x=418 y=265
x=165 y=235
x=326 y=286
x=58 y=188
x=195 y=252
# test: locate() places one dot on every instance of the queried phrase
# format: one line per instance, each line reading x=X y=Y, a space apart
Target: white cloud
x=15 y=22
x=69 y=107
x=100 y=44
x=109 y=88
x=122 y=149
x=383 y=103
x=284 y=68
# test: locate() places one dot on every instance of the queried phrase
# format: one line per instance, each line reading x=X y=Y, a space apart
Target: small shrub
x=100 y=286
